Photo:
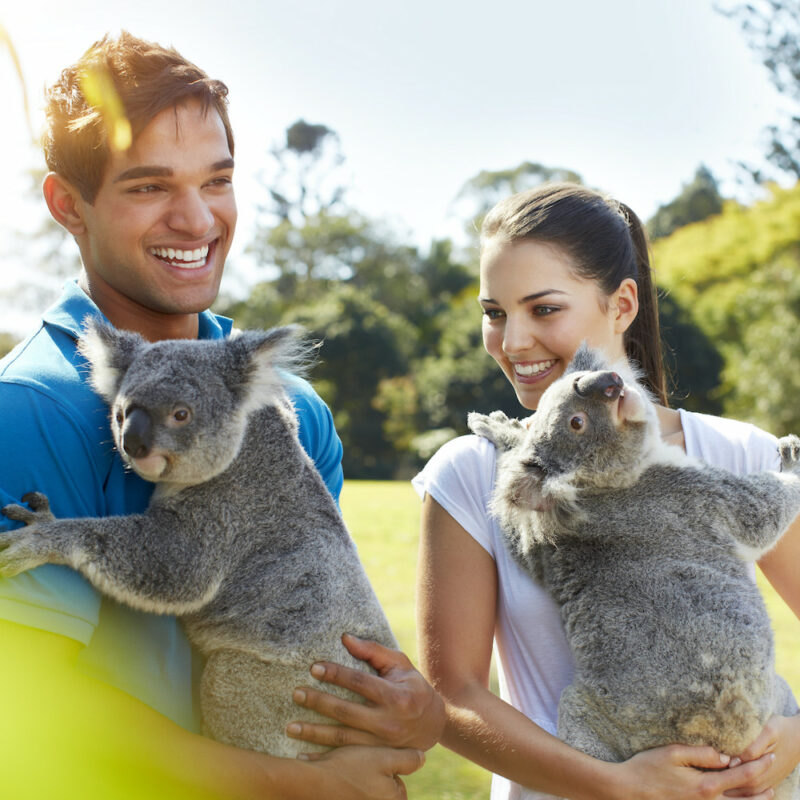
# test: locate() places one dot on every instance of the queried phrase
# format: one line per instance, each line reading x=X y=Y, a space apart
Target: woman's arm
x=64 y=734
x=457 y=595
x=781 y=736
x=781 y=566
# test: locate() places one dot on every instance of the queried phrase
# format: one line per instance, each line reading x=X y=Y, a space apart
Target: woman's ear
x=625 y=303
x=64 y=202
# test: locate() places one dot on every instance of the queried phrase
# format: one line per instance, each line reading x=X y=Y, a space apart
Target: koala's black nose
x=137 y=433
x=606 y=385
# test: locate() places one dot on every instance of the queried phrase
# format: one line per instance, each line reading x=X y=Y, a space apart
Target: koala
x=241 y=540
x=645 y=551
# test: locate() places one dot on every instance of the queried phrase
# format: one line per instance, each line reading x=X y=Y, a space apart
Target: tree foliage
x=772 y=30
x=698 y=200
x=477 y=196
x=737 y=276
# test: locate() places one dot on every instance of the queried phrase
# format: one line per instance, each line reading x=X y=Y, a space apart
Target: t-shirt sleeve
x=460 y=477
x=737 y=446
x=317 y=433
x=44 y=450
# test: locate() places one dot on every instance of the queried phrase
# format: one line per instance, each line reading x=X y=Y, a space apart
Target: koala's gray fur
x=241 y=539
x=645 y=551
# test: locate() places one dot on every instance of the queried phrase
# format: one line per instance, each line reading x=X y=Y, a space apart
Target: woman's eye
x=492 y=313
x=544 y=311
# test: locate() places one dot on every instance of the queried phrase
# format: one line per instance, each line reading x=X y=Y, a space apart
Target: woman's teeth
x=182 y=258
x=526 y=370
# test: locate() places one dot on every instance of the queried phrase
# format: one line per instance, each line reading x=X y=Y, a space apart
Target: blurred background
x=372 y=138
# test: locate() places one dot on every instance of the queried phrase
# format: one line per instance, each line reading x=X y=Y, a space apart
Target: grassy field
x=384 y=520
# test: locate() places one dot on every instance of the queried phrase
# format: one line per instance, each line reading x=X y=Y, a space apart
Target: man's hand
x=363 y=773
x=401 y=709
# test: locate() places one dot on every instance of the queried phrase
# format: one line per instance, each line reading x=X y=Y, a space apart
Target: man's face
x=158 y=232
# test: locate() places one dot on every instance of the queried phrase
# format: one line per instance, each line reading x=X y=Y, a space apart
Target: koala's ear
x=110 y=352
x=502 y=431
x=259 y=357
x=587 y=360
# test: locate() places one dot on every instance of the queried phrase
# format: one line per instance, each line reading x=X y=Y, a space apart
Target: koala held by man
x=645 y=551
x=241 y=540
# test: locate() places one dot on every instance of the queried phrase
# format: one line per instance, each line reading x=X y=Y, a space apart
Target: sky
x=632 y=94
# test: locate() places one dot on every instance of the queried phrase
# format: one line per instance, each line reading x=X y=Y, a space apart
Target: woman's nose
x=518 y=336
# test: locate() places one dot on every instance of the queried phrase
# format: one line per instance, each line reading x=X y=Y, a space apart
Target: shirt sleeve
x=317 y=433
x=460 y=477
x=44 y=449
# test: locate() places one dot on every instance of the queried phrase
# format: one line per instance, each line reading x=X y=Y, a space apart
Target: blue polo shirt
x=55 y=438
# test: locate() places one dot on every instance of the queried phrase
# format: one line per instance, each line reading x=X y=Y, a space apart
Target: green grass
x=384 y=520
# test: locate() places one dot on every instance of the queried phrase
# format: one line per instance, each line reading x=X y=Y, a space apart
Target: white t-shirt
x=534 y=662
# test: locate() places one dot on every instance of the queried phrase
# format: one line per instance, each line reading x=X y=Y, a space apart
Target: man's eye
x=149 y=189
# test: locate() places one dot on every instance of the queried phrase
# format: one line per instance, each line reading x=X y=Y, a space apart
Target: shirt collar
x=74 y=306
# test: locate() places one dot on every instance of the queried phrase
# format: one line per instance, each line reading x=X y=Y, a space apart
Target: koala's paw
x=789 y=448
x=24 y=548
x=21 y=550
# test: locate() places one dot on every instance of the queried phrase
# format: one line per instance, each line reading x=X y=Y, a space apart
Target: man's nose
x=191 y=214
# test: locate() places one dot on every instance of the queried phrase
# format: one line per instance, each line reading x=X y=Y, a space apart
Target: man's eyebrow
x=525 y=299
x=143 y=172
x=152 y=171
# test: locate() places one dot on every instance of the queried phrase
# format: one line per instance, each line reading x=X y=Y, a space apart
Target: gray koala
x=241 y=540
x=645 y=551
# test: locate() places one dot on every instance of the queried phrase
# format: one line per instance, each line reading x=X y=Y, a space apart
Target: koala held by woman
x=646 y=552
x=242 y=541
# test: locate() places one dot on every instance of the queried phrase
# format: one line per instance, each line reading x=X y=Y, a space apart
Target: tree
x=762 y=375
x=694 y=365
x=306 y=178
x=477 y=196
x=698 y=200
x=737 y=276
x=772 y=30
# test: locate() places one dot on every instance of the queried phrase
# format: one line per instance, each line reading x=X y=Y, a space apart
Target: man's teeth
x=187 y=258
x=533 y=369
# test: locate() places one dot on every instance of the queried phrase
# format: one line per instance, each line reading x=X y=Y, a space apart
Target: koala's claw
x=789 y=447
x=39 y=510
x=37 y=501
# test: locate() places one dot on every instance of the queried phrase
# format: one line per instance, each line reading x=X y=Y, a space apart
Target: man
x=100 y=700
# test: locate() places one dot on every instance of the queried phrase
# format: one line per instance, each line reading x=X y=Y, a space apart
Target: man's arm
x=67 y=735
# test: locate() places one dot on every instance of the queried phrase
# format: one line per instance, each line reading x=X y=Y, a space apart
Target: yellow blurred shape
x=98 y=89
x=65 y=735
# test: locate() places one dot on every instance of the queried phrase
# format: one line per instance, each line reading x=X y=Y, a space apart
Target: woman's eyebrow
x=526 y=299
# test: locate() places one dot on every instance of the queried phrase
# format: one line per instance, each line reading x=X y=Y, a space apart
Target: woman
x=561 y=264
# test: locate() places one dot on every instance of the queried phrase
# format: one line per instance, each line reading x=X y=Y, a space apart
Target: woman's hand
x=679 y=772
x=363 y=773
x=781 y=738
x=401 y=709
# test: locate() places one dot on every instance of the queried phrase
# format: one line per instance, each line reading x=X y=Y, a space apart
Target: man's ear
x=626 y=303
x=65 y=203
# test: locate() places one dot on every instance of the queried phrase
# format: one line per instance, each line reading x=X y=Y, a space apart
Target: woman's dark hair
x=606 y=243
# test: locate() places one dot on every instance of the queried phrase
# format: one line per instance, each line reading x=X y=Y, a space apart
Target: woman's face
x=537 y=311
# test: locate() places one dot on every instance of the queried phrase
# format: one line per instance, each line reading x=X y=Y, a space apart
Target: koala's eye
x=578 y=422
x=180 y=416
